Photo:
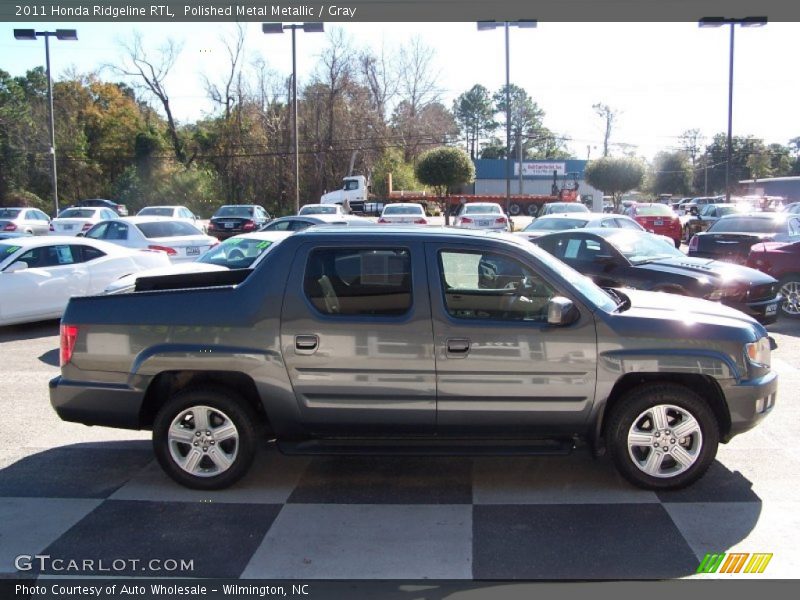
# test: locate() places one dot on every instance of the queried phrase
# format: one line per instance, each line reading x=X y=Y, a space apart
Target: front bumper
x=749 y=402
x=763 y=311
x=96 y=404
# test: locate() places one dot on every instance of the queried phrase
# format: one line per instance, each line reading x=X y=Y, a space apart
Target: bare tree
x=152 y=74
x=380 y=80
x=223 y=93
x=690 y=143
x=609 y=115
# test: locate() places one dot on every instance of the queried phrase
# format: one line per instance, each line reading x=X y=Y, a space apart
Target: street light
x=308 y=28
x=64 y=35
x=484 y=26
x=718 y=22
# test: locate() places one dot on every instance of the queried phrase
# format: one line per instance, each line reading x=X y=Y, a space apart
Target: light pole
x=483 y=26
x=308 y=28
x=61 y=34
x=718 y=22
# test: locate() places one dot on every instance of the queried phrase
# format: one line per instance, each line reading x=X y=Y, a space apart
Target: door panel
x=502 y=371
x=357 y=342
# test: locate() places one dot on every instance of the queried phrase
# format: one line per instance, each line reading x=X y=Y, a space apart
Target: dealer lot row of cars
x=749 y=261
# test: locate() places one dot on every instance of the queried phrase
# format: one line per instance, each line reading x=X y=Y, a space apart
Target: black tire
x=533 y=209
x=229 y=405
x=677 y=244
x=629 y=410
x=514 y=209
x=783 y=307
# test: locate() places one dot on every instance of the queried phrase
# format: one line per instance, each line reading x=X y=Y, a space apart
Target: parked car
x=551 y=223
x=706 y=217
x=677 y=205
x=24 y=220
x=732 y=236
x=693 y=206
x=557 y=208
x=10 y=235
x=394 y=339
x=234 y=219
x=657 y=218
x=403 y=212
x=180 y=241
x=792 y=209
x=178 y=213
x=38 y=275
x=239 y=252
x=781 y=260
x=481 y=215
x=298 y=223
x=640 y=260
x=75 y=220
x=322 y=209
x=118 y=208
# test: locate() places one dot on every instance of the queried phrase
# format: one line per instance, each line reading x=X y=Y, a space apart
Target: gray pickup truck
x=393 y=340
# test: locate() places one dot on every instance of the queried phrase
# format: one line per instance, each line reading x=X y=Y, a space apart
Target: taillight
x=86 y=226
x=211 y=225
x=694 y=243
x=466 y=220
x=249 y=226
x=169 y=251
x=10 y=227
x=500 y=220
x=69 y=333
x=382 y=220
x=420 y=222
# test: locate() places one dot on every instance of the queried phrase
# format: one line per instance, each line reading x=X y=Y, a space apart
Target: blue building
x=786 y=187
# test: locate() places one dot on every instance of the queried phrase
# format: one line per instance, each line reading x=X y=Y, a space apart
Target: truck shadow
x=537 y=518
x=29 y=331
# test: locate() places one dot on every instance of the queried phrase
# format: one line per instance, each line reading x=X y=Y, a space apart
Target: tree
x=609 y=115
x=474 y=112
x=717 y=156
x=615 y=176
x=690 y=144
x=526 y=118
x=671 y=174
x=444 y=168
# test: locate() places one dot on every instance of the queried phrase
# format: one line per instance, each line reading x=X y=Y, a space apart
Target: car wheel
x=662 y=436
x=790 y=290
x=205 y=438
x=514 y=209
x=533 y=210
x=677 y=244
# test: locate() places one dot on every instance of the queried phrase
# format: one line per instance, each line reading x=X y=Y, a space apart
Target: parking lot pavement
x=76 y=492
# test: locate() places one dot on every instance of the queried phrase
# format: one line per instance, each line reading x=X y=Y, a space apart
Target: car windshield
x=640 y=248
x=654 y=210
x=566 y=207
x=318 y=210
x=402 y=210
x=78 y=213
x=483 y=209
x=161 y=229
x=748 y=225
x=555 y=224
x=235 y=211
x=155 y=211
x=9 y=213
x=236 y=252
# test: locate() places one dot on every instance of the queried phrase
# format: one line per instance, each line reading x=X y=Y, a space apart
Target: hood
x=716 y=271
x=127 y=283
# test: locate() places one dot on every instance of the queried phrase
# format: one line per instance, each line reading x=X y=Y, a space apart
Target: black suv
x=120 y=209
x=233 y=219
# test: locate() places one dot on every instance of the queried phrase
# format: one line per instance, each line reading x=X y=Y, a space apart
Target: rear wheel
x=533 y=210
x=662 y=436
x=514 y=209
x=790 y=290
x=205 y=438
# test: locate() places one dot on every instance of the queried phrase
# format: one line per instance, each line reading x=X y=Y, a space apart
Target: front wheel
x=205 y=438
x=662 y=436
x=790 y=290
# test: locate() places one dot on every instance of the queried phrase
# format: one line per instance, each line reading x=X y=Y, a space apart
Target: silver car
x=31 y=221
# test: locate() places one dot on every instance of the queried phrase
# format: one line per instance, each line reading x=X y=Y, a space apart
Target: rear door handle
x=306 y=344
x=457 y=347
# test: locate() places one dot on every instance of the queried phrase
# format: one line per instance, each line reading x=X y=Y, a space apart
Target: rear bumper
x=92 y=404
x=749 y=402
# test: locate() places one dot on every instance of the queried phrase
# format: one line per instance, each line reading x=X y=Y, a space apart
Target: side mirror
x=17 y=266
x=560 y=311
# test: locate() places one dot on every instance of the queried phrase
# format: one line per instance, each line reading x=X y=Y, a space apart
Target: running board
x=427 y=447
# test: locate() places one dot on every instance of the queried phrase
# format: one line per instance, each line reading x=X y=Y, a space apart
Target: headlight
x=758 y=352
x=723 y=293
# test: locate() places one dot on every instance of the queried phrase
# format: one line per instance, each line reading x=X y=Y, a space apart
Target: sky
x=663 y=78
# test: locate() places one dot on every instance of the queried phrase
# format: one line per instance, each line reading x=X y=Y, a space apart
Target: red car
x=782 y=261
x=657 y=218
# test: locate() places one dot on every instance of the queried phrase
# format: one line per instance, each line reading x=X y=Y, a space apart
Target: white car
x=239 y=252
x=23 y=220
x=403 y=212
x=481 y=215
x=322 y=209
x=179 y=213
x=181 y=241
x=38 y=274
x=79 y=219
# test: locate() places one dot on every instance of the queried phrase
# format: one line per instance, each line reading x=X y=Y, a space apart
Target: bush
x=29 y=199
x=444 y=168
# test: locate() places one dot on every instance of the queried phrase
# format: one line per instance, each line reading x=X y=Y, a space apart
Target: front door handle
x=457 y=347
x=306 y=344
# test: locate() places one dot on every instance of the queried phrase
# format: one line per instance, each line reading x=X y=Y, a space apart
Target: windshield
x=236 y=252
x=643 y=247
x=9 y=213
x=566 y=207
x=155 y=211
x=318 y=210
x=78 y=213
x=654 y=210
x=748 y=225
x=555 y=224
x=483 y=209
x=162 y=229
x=402 y=210
x=235 y=211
